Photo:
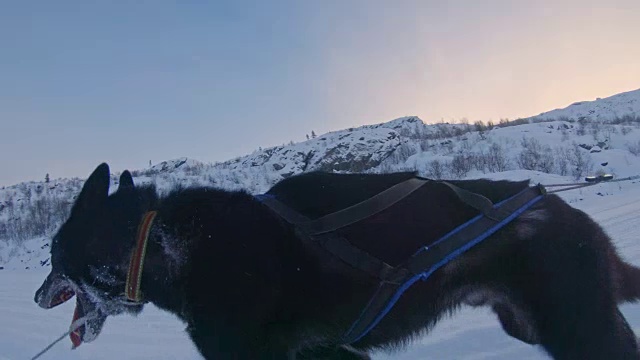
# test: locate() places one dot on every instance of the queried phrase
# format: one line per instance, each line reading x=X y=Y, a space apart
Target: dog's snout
x=38 y=295
x=38 y=298
x=43 y=291
x=54 y=291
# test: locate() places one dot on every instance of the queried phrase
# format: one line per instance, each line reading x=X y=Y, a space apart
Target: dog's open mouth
x=88 y=318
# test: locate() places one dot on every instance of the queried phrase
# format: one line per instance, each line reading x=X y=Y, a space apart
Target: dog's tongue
x=77 y=334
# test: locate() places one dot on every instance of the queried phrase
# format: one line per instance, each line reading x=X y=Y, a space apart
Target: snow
x=469 y=334
x=27 y=328
x=33 y=253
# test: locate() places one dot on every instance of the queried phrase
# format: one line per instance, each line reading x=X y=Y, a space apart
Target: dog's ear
x=126 y=181
x=95 y=190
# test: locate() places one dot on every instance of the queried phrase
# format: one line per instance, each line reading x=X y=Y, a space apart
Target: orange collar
x=134 y=275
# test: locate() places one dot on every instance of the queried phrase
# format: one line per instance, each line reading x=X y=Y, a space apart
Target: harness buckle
x=393 y=276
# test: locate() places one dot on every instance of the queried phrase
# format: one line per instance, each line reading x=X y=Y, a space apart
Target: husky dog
x=247 y=287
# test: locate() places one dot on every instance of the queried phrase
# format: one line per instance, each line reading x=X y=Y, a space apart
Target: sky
x=84 y=82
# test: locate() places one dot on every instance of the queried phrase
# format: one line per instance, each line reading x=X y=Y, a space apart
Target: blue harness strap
x=429 y=259
x=394 y=281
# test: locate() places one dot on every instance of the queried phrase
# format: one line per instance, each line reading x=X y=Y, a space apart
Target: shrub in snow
x=634 y=148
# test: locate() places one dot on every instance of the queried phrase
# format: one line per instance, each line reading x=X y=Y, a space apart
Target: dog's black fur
x=248 y=288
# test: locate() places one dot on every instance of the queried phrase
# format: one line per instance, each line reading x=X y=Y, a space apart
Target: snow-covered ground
x=470 y=334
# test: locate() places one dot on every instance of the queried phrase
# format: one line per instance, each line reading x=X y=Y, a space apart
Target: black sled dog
x=250 y=285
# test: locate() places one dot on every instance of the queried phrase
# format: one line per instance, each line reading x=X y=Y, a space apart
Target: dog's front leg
x=291 y=355
x=228 y=345
x=344 y=352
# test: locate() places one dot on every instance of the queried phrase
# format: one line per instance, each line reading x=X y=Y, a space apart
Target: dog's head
x=90 y=254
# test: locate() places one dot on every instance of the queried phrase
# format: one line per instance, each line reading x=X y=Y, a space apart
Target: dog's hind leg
x=516 y=319
x=575 y=310
x=516 y=322
x=628 y=331
x=577 y=330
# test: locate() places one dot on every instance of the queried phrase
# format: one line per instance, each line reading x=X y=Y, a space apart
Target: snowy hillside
x=626 y=104
x=30 y=212
x=353 y=150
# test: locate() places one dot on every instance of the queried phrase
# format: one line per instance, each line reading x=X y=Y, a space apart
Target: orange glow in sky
x=485 y=60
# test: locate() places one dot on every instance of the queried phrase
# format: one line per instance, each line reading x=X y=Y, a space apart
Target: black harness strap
x=472 y=199
x=378 y=302
x=363 y=209
x=336 y=245
x=285 y=212
x=394 y=280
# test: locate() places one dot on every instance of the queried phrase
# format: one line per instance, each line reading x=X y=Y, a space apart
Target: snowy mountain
x=539 y=148
x=626 y=104
x=354 y=149
x=171 y=165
